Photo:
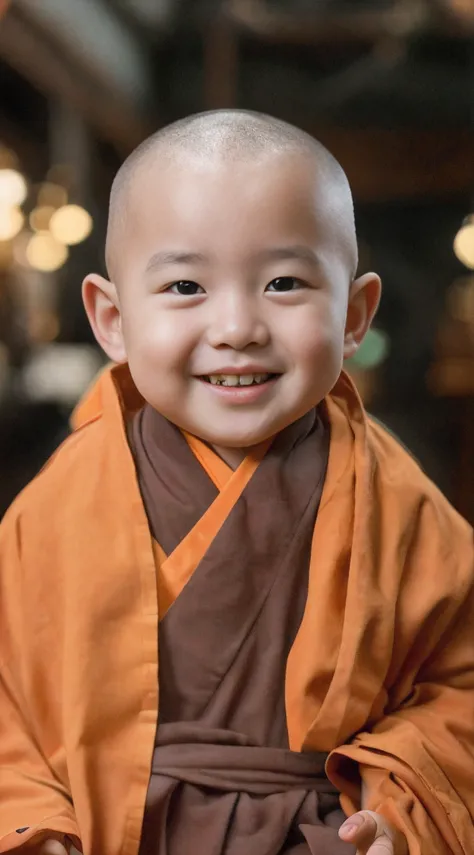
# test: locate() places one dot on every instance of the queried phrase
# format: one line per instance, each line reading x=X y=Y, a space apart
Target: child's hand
x=372 y=835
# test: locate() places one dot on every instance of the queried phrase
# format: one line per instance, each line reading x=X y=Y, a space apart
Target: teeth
x=236 y=379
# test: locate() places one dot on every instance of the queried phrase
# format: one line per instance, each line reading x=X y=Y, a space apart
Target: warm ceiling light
x=11 y=222
x=40 y=218
x=464 y=242
x=71 y=224
x=45 y=253
x=13 y=188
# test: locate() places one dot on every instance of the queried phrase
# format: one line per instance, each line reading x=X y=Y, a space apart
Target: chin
x=244 y=440
x=243 y=432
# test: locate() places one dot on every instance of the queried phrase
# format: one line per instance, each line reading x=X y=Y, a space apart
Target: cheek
x=158 y=356
x=316 y=338
x=158 y=339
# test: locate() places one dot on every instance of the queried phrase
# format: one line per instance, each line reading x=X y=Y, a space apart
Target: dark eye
x=283 y=283
x=185 y=288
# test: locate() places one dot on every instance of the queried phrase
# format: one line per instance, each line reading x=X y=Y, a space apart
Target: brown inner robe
x=224 y=781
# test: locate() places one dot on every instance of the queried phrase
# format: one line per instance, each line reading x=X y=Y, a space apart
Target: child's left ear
x=364 y=299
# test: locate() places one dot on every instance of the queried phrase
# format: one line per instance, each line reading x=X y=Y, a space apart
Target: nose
x=237 y=322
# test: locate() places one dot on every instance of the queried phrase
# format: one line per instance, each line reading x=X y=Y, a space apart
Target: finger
x=53 y=847
x=362 y=828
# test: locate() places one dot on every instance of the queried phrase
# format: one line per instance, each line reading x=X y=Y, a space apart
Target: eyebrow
x=278 y=253
x=161 y=259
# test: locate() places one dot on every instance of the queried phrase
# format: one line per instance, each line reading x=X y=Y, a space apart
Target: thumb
x=363 y=828
x=53 y=847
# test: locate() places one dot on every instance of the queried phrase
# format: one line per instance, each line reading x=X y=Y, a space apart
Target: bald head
x=229 y=136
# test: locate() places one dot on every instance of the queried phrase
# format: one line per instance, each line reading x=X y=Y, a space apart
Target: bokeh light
x=40 y=218
x=71 y=224
x=52 y=195
x=464 y=243
x=373 y=350
x=11 y=222
x=13 y=188
x=45 y=253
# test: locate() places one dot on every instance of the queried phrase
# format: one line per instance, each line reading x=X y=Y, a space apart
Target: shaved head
x=230 y=136
x=231 y=247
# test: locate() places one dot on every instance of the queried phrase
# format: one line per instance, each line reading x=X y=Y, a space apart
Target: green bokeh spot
x=372 y=352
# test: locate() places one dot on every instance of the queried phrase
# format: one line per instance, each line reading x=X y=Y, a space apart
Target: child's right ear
x=103 y=310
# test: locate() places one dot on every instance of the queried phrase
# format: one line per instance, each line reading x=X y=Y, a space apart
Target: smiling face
x=231 y=269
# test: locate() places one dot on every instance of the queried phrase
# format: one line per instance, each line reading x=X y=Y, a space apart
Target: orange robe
x=381 y=673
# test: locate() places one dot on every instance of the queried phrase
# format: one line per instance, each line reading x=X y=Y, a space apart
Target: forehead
x=229 y=209
x=188 y=185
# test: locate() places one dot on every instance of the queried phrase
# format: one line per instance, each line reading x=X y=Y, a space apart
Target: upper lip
x=247 y=369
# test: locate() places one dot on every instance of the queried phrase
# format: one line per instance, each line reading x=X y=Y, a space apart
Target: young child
x=231 y=599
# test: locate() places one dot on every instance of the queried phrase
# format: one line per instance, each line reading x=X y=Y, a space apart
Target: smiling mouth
x=236 y=380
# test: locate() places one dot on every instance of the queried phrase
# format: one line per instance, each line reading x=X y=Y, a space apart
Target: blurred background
x=387 y=85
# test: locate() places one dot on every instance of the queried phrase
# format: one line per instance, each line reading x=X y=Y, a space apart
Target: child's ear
x=364 y=299
x=102 y=307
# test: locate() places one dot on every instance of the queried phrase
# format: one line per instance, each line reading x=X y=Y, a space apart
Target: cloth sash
x=223 y=761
